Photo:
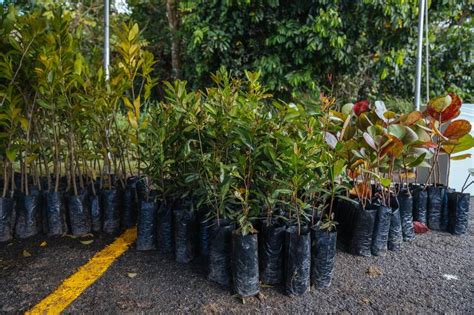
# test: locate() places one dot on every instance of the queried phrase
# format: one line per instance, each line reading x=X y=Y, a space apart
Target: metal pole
x=419 y=53
x=106 y=39
x=427 y=53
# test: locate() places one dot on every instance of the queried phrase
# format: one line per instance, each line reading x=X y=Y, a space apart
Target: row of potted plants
x=70 y=135
x=257 y=181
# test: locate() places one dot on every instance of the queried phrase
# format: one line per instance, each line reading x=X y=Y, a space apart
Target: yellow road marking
x=86 y=275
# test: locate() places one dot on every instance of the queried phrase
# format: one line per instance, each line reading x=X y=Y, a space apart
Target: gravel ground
x=412 y=280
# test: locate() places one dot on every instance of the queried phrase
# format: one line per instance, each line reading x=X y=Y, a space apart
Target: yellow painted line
x=86 y=275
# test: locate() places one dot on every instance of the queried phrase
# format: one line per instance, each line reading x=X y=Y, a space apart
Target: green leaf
x=397 y=131
x=133 y=32
x=386 y=182
x=11 y=154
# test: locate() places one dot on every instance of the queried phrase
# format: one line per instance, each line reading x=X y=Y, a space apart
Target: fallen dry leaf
x=26 y=253
x=43 y=244
x=87 y=242
x=365 y=301
x=131 y=274
x=374 y=271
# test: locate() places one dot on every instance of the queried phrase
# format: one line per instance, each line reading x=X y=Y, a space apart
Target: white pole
x=106 y=39
x=427 y=53
x=419 y=53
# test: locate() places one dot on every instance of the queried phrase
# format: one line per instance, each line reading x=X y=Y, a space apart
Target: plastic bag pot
x=405 y=201
x=435 y=204
x=96 y=213
x=27 y=216
x=164 y=229
x=323 y=256
x=185 y=235
x=459 y=204
x=245 y=264
x=142 y=189
x=361 y=243
x=395 y=234
x=381 y=230
x=346 y=217
x=297 y=261
x=79 y=214
x=272 y=241
x=111 y=203
x=220 y=253
x=129 y=208
x=56 y=213
x=146 y=227
x=420 y=204
x=7 y=218
x=444 y=220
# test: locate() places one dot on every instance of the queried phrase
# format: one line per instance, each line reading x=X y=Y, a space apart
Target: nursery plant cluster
x=258 y=187
x=69 y=135
x=252 y=183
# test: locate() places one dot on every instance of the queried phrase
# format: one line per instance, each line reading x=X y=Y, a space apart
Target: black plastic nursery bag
x=361 y=243
x=220 y=253
x=405 y=201
x=297 y=261
x=79 y=214
x=435 y=205
x=27 y=216
x=7 y=218
x=459 y=204
x=146 y=226
x=323 y=256
x=381 y=230
x=185 y=235
x=395 y=235
x=245 y=264
x=164 y=229
x=111 y=204
x=96 y=213
x=272 y=239
x=56 y=212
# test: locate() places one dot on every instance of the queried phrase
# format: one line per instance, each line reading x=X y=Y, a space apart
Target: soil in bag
x=185 y=235
x=7 y=218
x=297 y=261
x=381 y=230
x=79 y=214
x=129 y=208
x=395 y=235
x=361 y=243
x=435 y=204
x=111 y=205
x=27 y=216
x=146 y=227
x=245 y=264
x=420 y=203
x=56 y=213
x=220 y=253
x=164 y=229
x=459 y=204
x=405 y=201
x=96 y=213
x=323 y=256
x=272 y=240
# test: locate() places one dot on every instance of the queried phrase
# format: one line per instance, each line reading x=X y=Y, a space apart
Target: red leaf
x=457 y=129
x=450 y=112
x=419 y=227
x=361 y=107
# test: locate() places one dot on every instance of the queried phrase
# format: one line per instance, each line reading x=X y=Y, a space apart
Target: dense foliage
x=362 y=48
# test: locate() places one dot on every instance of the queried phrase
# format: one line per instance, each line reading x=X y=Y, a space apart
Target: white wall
x=459 y=169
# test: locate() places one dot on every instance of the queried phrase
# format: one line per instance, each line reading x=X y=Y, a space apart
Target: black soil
x=413 y=280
